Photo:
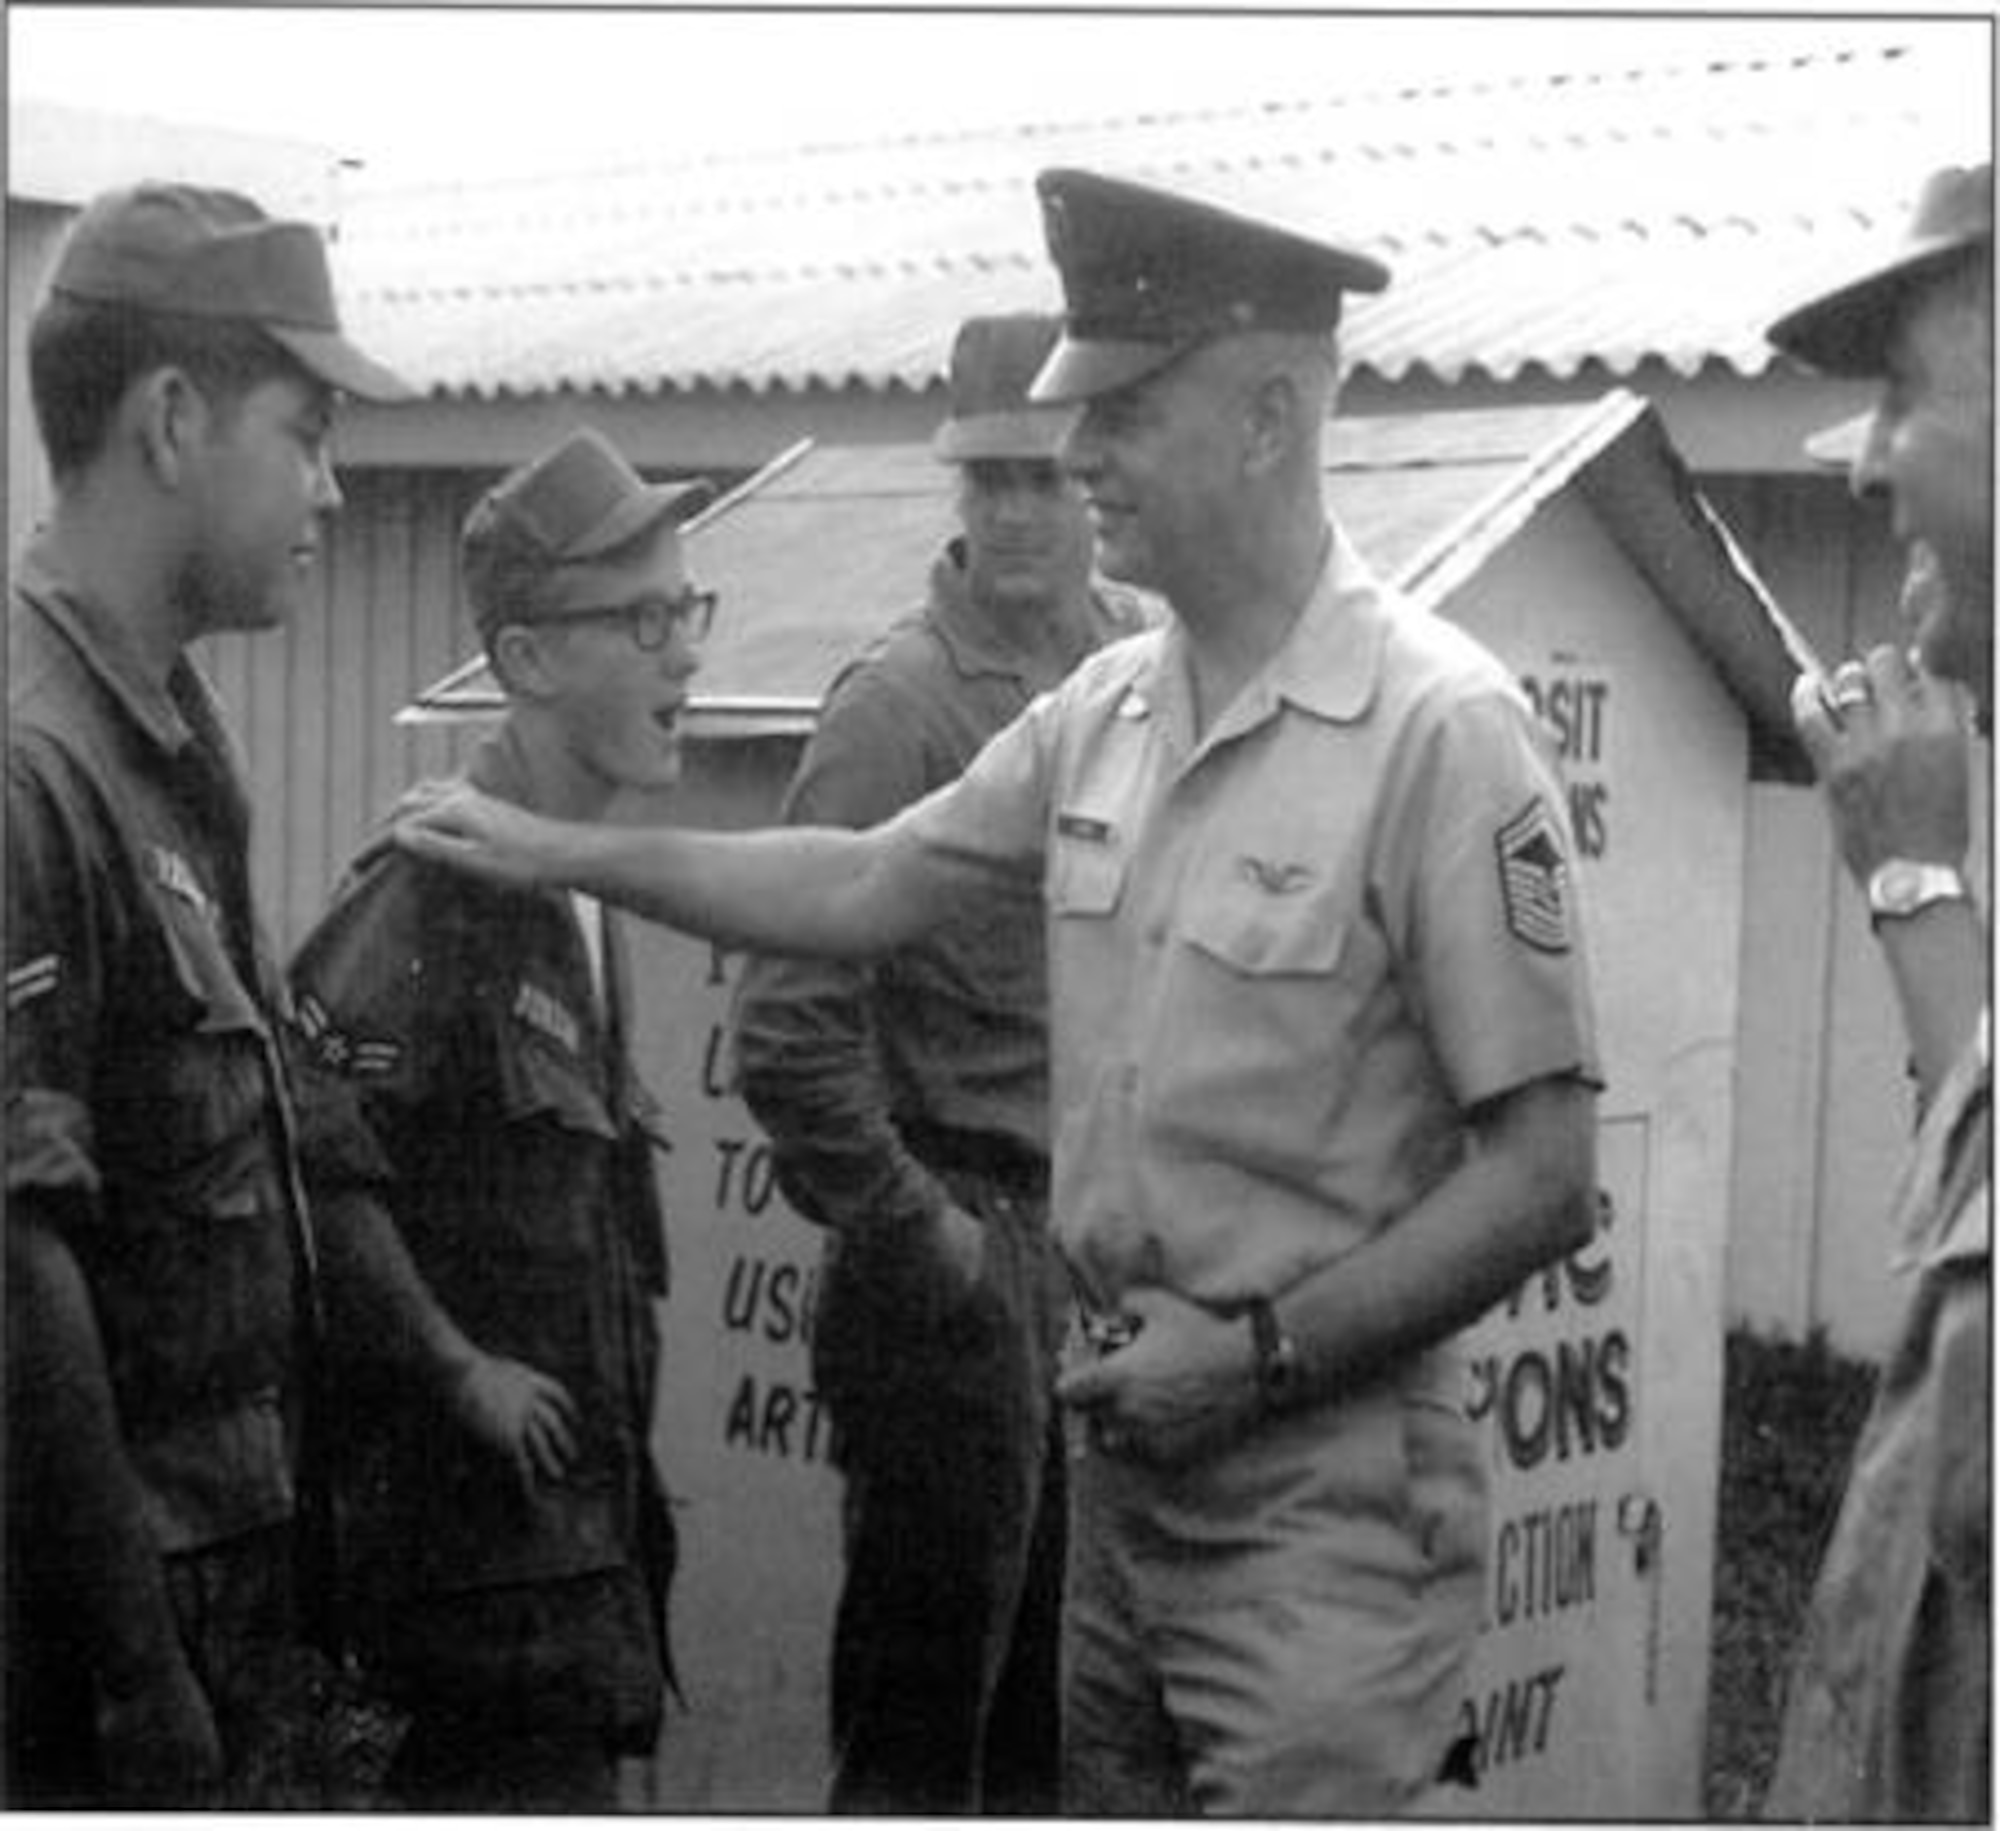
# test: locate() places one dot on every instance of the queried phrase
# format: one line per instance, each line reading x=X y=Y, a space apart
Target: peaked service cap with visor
x=1147 y=275
x=201 y=253
x=1846 y=331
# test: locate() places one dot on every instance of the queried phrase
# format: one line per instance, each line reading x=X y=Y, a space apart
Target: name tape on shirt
x=1083 y=826
x=177 y=877
x=542 y=1011
x=1534 y=879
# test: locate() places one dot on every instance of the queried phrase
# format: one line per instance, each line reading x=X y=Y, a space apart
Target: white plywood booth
x=1574 y=544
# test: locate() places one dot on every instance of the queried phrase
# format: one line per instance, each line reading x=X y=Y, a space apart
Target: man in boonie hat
x=1322 y=1059
x=1913 y=320
x=164 y=1536
x=488 y=1195
x=1890 y=1710
x=909 y=1106
x=1365 y=1106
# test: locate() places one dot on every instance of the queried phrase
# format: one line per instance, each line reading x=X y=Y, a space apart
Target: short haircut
x=502 y=570
x=83 y=355
x=507 y=579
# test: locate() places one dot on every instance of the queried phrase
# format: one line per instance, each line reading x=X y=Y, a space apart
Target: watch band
x=1280 y=1367
x=1899 y=887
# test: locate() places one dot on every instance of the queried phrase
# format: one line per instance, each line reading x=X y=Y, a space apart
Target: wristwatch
x=1902 y=886
x=1280 y=1366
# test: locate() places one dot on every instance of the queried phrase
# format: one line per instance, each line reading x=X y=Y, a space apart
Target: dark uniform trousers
x=944 y=1670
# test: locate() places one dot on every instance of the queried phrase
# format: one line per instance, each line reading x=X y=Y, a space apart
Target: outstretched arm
x=795 y=890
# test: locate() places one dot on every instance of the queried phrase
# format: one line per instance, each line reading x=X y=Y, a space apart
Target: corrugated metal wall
x=314 y=705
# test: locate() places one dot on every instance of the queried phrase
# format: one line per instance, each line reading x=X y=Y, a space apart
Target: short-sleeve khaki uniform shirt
x=1287 y=959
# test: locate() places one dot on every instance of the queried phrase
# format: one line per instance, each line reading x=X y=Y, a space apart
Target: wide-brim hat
x=1148 y=275
x=205 y=253
x=1846 y=331
x=993 y=361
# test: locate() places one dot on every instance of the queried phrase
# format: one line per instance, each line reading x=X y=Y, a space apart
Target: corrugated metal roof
x=1612 y=216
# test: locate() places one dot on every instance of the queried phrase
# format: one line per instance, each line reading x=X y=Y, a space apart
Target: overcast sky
x=422 y=92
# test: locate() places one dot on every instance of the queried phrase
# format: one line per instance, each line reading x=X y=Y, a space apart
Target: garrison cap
x=1147 y=275
x=202 y=253
x=1846 y=331
x=579 y=502
x=992 y=362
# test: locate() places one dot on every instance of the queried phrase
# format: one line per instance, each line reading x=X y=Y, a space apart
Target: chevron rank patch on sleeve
x=1534 y=879
x=34 y=979
x=338 y=1050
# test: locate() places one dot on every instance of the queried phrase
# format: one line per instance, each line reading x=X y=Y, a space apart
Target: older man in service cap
x=184 y=368
x=1324 y=947
x=494 y=1240
x=1322 y=1051
x=909 y=1104
x=1890 y=1712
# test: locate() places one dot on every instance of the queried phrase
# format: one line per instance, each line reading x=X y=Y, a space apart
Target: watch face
x=1903 y=886
x=1899 y=886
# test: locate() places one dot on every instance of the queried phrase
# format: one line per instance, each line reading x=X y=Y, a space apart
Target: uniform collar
x=1331 y=661
x=497 y=768
x=1328 y=664
x=106 y=649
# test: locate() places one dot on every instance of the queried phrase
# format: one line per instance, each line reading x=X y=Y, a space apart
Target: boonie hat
x=575 y=503
x=992 y=362
x=215 y=254
x=1147 y=275
x=1846 y=331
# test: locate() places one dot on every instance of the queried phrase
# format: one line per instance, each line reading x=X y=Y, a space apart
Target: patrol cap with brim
x=992 y=362
x=574 y=504
x=215 y=254
x=1846 y=331
x=1147 y=275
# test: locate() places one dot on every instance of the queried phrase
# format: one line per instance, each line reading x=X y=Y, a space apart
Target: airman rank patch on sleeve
x=1534 y=879
x=341 y=1051
x=36 y=979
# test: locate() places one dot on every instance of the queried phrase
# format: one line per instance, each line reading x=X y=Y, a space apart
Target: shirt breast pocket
x=192 y=1074
x=1258 y=934
x=1275 y=996
x=206 y=995
x=541 y=1082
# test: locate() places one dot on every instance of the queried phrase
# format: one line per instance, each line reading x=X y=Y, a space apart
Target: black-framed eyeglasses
x=651 y=620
